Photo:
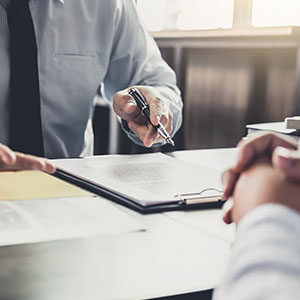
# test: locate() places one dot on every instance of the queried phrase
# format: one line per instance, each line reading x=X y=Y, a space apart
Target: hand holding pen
x=144 y=107
x=145 y=126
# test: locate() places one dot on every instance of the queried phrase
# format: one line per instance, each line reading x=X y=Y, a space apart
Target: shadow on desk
x=205 y=295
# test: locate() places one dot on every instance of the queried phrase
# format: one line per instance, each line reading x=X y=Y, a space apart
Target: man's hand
x=126 y=108
x=14 y=161
x=261 y=184
x=281 y=151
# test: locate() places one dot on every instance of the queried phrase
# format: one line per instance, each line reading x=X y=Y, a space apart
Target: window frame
x=242 y=16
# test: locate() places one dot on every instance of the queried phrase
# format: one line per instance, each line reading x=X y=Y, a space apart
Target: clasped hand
x=267 y=171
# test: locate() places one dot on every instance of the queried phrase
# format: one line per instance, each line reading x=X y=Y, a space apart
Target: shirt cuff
x=268 y=213
x=175 y=104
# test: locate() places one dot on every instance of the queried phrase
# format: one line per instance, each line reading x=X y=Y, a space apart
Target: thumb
x=227 y=211
x=130 y=107
x=124 y=106
x=288 y=161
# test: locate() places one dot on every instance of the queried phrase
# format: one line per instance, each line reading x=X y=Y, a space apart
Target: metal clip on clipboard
x=199 y=198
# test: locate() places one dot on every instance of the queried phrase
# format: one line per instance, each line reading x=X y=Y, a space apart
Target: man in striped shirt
x=54 y=57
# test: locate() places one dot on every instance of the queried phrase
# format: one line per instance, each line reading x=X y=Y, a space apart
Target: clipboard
x=83 y=173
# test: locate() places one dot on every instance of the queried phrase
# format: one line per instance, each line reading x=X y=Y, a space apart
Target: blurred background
x=237 y=62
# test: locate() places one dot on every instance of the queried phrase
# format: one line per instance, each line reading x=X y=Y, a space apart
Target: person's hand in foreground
x=15 y=161
x=126 y=108
x=262 y=184
x=279 y=150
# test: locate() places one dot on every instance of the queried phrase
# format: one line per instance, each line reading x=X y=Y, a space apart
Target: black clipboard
x=193 y=201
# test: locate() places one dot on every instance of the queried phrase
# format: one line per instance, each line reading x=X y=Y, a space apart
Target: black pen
x=144 y=107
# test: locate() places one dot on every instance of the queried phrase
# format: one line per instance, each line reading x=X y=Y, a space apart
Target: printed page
x=145 y=178
x=39 y=220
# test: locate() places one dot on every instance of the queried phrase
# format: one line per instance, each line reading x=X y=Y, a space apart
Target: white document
x=31 y=221
x=144 y=178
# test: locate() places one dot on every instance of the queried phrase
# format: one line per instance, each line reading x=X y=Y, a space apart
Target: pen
x=144 y=107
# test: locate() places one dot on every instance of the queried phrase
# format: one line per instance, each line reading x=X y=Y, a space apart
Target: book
x=277 y=127
x=145 y=182
x=292 y=122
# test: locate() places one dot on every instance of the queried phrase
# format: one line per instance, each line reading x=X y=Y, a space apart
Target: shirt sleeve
x=265 y=261
x=136 y=60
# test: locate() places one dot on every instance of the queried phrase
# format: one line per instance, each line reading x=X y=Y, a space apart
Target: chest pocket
x=74 y=58
x=78 y=77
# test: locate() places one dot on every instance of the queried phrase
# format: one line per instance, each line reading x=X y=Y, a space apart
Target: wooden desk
x=172 y=257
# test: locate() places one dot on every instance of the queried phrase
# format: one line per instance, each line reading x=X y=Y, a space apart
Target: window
x=267 y=13
x=161 y=15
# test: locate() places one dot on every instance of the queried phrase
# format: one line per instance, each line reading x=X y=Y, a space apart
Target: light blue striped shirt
x=84 y=45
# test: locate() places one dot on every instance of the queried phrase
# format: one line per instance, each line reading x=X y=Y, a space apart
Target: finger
x=260 y=145
x=227 y=217
x=227 y=211
x=29 y=162
x=49 y=167
x=164 y=121
x=122 y=99
x=7 y=156
x=151 y=137
x=139 y=130
x=125 y=106
x=155 y=106
x=229 y=179
x=169 y=129
x=287 y=161
x=130 y=107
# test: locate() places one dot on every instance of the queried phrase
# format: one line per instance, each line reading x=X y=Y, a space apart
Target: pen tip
x=171 y=142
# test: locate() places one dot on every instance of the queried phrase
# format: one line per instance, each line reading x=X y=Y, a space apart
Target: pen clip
x=200 y=198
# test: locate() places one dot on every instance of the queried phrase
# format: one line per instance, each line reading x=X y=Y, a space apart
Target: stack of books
x=291 y=127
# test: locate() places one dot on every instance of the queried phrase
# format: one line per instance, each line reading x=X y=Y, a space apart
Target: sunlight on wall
x=186 y=14
x=268 y=13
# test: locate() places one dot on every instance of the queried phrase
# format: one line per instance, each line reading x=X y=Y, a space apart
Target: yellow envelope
x=22 y=185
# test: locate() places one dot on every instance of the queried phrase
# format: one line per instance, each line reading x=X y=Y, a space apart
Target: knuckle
x=164 y=120
x=4 y=148
x=227 y=174
x=156 y=102
x=224 y=174
x=117 y=96
x=21 y=155
x=268 y=134
x=115 y=105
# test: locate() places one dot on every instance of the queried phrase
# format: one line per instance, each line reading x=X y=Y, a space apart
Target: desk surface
x=177 y=254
